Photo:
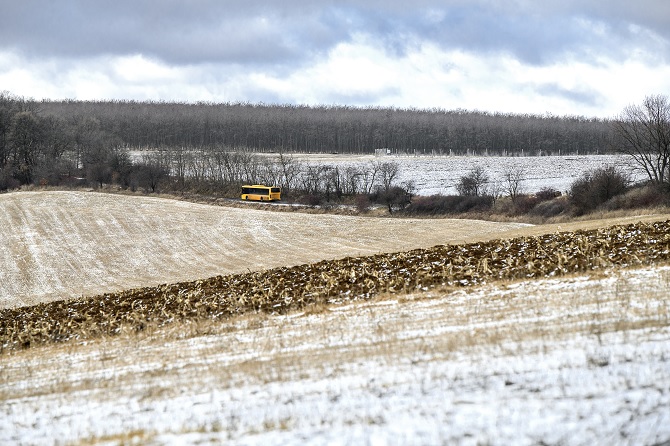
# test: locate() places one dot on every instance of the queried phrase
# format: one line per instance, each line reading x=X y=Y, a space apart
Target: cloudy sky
x=564 y=57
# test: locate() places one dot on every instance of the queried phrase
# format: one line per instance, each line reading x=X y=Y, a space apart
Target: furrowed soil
x=224 y=324
x=285 y=289
x=59 y=245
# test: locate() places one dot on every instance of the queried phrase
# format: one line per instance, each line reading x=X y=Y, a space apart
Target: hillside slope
x=56 y=245
x=544 y=358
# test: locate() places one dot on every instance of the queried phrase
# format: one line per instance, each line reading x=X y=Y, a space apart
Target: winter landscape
x=440 y=174
x=471 y=246
x=578 y=359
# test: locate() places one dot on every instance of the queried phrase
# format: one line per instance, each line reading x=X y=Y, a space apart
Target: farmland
x=506 y=333
x=58 y=245
x=440 y=174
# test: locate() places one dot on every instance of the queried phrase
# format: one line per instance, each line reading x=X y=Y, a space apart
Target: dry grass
x=126 y=438
x=511 y=317
x=57 y=245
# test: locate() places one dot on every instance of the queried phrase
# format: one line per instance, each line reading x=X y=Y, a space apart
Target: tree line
x=43 y=148
x=333 y=129
x=219 y=145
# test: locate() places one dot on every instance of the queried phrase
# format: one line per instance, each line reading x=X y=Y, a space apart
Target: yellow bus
x=258 y=192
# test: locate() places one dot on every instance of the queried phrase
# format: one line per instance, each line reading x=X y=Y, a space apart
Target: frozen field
x=439 y=175
x=57 y=245
x=579 y=361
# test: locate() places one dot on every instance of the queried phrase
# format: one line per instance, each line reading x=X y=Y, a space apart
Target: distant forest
x=332 y=129
x=53 y=142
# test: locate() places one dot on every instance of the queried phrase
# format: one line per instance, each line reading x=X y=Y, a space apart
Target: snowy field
x=575 y=360
x=580 y=361
x=440 y=174
x=56 y=245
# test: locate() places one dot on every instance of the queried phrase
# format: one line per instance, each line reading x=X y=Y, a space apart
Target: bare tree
x=474 y=183
x=270 y=172
x=314 y=178
x=643 y=132
x=370 y=176
x=178 y=165
x=153 y=168
x=351 y=181
x=388 y=172
x=25 y=139
x=290 y=170
x=395 y=197
x=410 y=188
x=513 y=178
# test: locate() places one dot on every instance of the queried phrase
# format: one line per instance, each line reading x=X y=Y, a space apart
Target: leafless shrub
x=448 y=205
x=513 y=179
x=474 y=183
x=547 y=193
x=596 y=187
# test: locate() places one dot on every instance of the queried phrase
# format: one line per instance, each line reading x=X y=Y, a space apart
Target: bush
x=550 y=208
x=547 y=193
x=525 y=203
x=474 y=183
x=596 y=187
x=362 y=203
x=449 y=204
x=645 y=196
x=311 y=200
x=394 y=198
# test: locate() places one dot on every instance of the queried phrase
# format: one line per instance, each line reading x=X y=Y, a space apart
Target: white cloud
x=137 y=69
x=429 y=77
x=104 y=77
x=358 y=72
x=350 y=70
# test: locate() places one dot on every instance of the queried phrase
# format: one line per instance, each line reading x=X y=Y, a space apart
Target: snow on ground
x=59 y=245
x=582 y=360
x=440 y=174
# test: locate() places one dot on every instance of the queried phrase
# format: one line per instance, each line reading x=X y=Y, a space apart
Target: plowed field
x=61 y=245
x=259 y=235
x=57 y=245
x=570 y=347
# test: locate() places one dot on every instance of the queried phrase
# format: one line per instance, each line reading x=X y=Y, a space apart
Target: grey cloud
x=175 y=32
x=292 y=32
x=537 y=33
x=585 y=97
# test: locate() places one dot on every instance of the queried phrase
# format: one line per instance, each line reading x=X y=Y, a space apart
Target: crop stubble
x=63 y=244
x=286 y=289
